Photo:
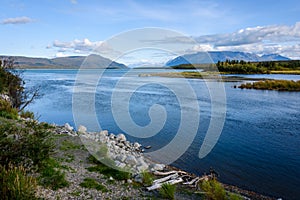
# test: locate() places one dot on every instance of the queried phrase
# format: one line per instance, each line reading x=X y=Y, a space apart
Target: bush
x=15 y=184
x=7 y=111
x=167 y=191
x=24 y=144
x=27 y=114
x=215 y=191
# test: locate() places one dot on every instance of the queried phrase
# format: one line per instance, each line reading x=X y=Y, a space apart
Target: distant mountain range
x=215 y=56
x=72 y=62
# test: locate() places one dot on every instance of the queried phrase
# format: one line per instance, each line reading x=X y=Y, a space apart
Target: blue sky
x=50 y=28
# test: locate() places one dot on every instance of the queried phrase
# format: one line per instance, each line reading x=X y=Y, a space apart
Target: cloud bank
x=279 y=39
x=17 y=20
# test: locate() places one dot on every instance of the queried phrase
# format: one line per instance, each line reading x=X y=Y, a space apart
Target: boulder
x=130 y=159
x=137 y=145
x=104 y=132
x=112 y=136
x=121 y=137
x=82 y=129
x=157 y=167
x=68 y=127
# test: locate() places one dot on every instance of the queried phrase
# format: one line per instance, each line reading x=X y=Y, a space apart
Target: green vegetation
x=93 y=184
x=243 y=67
x=107 y=171
x=7 y=111
x=167 y=191
x=147 y=178
x=12 y=85
x=23 y=143
x=15 y=184
x=281 y=85
x=51 y=175
x=68 y=145
x=214 y=190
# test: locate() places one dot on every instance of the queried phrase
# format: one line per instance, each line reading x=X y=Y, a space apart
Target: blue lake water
x=257 y=150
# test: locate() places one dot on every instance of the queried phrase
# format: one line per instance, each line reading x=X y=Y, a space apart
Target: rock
x=138 y=178
x=157 y=167
x=104 y=132
x=130 y=159
x=121 y=158
x=121 y=137
x=112 y=136
x=82 y=129
x=137 y=145
x=129 y=181
x=68 y=127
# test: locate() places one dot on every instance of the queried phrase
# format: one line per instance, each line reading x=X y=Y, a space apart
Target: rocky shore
x=125 y=155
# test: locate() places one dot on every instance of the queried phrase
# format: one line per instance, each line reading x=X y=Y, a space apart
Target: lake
x=259 y=145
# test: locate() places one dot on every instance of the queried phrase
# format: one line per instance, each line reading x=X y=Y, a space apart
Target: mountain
x=273 y=57
x=215 y=56
x=73 y=62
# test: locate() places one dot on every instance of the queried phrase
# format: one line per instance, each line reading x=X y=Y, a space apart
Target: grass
x=106 y=170
x=68 y=145
x=15 y=184
x=147 y=178
x=51 y=175
x=167 y=191
x=93 y=184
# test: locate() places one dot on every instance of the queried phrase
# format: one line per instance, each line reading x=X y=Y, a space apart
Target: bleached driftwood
x=172 y=176
x=158 y=185
x=167 y=173
x=192 y=181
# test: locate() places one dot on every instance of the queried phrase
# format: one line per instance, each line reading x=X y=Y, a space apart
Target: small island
x=280 y=85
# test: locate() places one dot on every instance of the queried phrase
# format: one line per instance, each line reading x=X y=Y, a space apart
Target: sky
x=55 y=28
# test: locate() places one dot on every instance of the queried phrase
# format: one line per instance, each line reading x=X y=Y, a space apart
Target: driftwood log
x=174 y=177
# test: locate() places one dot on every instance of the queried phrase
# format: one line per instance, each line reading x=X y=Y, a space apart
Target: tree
x=12 y=84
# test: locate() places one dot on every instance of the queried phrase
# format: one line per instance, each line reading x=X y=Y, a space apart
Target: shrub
x=7 y=111
x=167 y=191
x=23 y=144
x=215 y=191
x=27 y=114
x=15 y=184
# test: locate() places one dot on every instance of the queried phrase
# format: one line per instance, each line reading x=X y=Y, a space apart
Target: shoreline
x=107 y=138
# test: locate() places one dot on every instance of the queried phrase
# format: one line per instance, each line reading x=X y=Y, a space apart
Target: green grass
x=147 y=178
x=15 y=184
x=93 y=184
x=106 y=170
x=51 y=175
x=167 y=191
x=68 y=145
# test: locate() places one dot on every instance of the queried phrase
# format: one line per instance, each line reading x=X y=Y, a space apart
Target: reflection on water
x=259 y=145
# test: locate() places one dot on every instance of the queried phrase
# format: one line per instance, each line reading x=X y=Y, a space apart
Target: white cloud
x=84 y=46
x=17 y=20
